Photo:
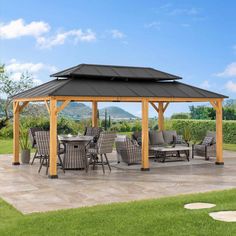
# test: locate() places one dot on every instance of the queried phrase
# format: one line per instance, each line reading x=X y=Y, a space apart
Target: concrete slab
x=29 y=191
x=226 y=216
x=198 y=205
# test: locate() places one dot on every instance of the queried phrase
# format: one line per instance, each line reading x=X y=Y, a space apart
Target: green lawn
x=6 y=145
x=164 y=216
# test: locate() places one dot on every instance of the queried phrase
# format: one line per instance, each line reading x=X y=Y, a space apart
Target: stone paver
x=226 y=216
x=198 y=205
x=29 y=191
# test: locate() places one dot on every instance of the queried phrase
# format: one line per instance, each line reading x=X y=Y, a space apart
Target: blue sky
x=192 y=39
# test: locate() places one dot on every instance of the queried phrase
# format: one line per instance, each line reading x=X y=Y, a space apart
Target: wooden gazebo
x=101 y=83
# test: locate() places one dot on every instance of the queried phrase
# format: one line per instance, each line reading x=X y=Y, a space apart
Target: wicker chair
x=32 y=132
x=103 y=146
x=75 y=156
x=206 y=150
x=43 y=139
x=93 y=131
x=130 y=153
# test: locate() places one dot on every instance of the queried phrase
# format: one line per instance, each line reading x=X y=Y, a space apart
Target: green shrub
x=199 y=128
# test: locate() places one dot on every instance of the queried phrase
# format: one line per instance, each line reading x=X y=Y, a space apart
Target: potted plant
x=187 y=135
x=25 y=146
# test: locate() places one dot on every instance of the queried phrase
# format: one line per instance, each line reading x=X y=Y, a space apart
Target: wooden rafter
x=21 y=107
x=47 y=106
x=165 y=106
x=63 y=105
x=154 y=106
x=214 y=104
x=16 y=107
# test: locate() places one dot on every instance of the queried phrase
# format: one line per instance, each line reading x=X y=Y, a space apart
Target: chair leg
x=94 y=161
x=62 y=165
x=41 y=164
x=107 y=162
x=47 y=165
x=102 y=164
x=34 y=157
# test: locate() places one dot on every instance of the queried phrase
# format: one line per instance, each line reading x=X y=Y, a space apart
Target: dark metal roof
x=120 y=88
x=115 y=72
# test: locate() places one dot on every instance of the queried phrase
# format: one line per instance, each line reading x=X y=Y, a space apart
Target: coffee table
x=162 y=152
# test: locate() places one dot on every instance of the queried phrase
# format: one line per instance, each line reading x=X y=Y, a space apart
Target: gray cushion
x=207 y=141
x=168 y=135
x=156 y=137
x=212 y=134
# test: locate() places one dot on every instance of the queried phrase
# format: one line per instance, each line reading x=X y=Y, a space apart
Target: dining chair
x=33 y=143
x=103 y=146
x=43 y=140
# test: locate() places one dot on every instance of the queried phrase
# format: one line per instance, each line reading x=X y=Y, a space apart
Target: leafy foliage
x=200 y=127
x=180 y=115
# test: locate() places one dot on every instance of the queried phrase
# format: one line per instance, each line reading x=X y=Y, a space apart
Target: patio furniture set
x=91 y=148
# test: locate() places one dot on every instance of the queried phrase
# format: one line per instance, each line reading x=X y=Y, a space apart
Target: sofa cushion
x=156 y=137
x=168 y=136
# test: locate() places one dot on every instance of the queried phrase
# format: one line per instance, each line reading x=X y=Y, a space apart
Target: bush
x=200 y=127
x=181 y=115
x=65 y=126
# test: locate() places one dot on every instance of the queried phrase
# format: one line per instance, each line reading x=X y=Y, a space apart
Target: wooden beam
x=119 y=99
x=154 y=106
x=145 y=138
x=47 y=106
x=21 y=107
x=16 y=133
x=94 y=114
x=53 y=139
x=219 y=134
x=165 y=106
x=161 y=116
x=63 y=105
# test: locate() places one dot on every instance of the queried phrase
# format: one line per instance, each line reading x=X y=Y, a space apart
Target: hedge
x=198 y=128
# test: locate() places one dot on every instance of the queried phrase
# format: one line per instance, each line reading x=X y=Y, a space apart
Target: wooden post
x=160 y=116
x=94 y=114
x=145 y=138
x=53 y=139
x=16 y=133
x=219 y=134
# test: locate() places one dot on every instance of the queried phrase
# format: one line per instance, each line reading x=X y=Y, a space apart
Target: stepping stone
x=227 y=216
x=198 y=205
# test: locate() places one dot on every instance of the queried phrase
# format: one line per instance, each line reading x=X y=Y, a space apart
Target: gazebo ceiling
x=115 y=72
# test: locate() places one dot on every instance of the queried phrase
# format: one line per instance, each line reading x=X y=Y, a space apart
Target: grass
x=6 y=145
x=229 y=146
x=164 y=216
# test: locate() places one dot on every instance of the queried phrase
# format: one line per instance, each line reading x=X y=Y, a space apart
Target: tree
x=10 y=87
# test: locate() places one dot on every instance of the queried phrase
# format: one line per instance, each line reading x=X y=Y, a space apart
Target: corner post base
x=15 y=163
x=219 y=163
x=145 y=169
x=53 y=176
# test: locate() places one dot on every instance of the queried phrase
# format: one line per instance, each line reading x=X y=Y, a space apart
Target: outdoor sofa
x=129 y=150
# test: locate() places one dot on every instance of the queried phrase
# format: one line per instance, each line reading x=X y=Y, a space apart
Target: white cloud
x=185 y=11
x=205 y=84
x=16 y=68
x=231 y=86
x=60 y=38
x=18 y=28
x=185 y=25
x=154 y=24
x=229 y=71
x=41 y=31
x=117 y=34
